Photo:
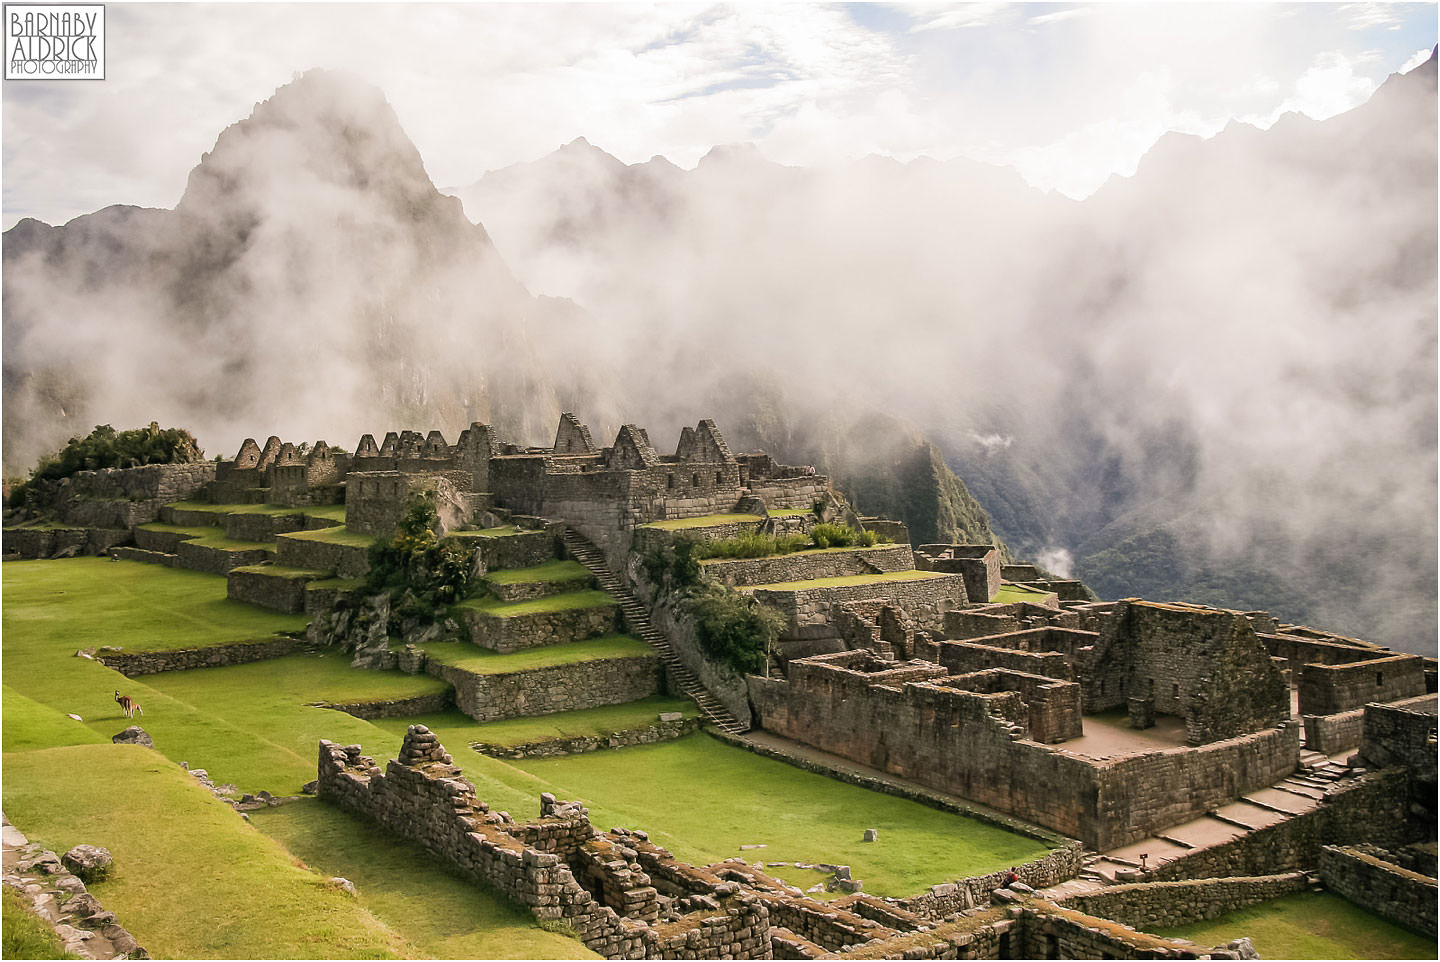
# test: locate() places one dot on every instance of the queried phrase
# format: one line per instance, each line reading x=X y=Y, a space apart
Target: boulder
x=134 y=735
x=871 y=835
x=91 y=862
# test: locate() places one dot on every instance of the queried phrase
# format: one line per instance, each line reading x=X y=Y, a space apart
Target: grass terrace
x=502 y=532
x=569 y=601
x=849 y=580
x=549 y=571
x=456 y=729
x=485 y=662
x=209 y=536
x=329 y=512
x=336 y=584
x=1309 y=925
x=282 y=571
x=401 y=885
x=1011 y=594
x=336 y=535
x=703 y=799
x=705 y=521
x=191 y=880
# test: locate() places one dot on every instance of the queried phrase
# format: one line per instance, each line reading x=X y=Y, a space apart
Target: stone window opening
x=1379 y=678
x=694 y=480
x=718 y=478
x=670 y=482
x=1175 y=691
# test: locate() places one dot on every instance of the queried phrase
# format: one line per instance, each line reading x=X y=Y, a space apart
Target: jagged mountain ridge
x=1075 y=362
x=310 y=279
x=1197 y=337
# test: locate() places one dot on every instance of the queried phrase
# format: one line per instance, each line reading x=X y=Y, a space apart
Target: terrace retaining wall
x=132 y=664
x=1404 y=897
x=551 y=689
x=505 y=634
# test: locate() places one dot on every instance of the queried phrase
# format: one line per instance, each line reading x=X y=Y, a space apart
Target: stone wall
x=791 y=494
x=1333 y=734
x=347 y=561
x=524 y=549
x=505 y=634
x=738 y=572
x=258 y=586
x=132 y=664
x=556 y=688
x=216 y=561
x=960 y=657
x=652 y=734
x=531 y=590
x=1329 y=689
x=980 y=564
x=977 y=746
x=925 y=599
x=1202 y=665
x=1402 y=734
x=960 y=625
x=1048 y=931
x=1370 y=808
x=1404 y=897
x=422 y=797
x=50 y=542
x=394 y=707
x=426 y=801
x=1147 y=905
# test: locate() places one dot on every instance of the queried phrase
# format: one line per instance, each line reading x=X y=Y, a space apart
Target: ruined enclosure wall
x=1404 y=897
x=218 y=656
x=1048 y=931
x=1328 y=689
x=962 y=656
x=1207 y=667
x=925 y=600
x=520 y=632
x=557 y=688
x=438 y=809
x=1155 y=790
x=976 y=746
x=791 y=494
x=1332 y=734
x=1299 y=652
x=961 y=625
x=739 y=572
x=1146 y=905
x=1368 y=809
x=1402 y=735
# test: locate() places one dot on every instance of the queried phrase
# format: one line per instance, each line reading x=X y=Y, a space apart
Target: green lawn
x=27 y=936
x=442 y=916
x=703 y=799
x=191 y=878
x=335 y=535
x=550 y=571
x=209 y=536
x=329 y=512
x=457 y=730
x=1309 y=925
x=569 y=601
x=485 y=662
x=707 y=521
x=1009 y=594
x=283 y=571
x=849 y=580
x=501 y=532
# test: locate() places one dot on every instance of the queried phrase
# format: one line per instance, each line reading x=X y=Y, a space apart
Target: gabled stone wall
x=1328 y=689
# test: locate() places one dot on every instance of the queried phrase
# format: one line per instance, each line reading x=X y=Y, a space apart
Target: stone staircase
x=637 y=620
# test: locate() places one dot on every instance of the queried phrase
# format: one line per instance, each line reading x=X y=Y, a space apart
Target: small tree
x=105 y=447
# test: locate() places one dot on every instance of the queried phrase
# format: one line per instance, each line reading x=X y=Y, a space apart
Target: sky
x=1068 y=94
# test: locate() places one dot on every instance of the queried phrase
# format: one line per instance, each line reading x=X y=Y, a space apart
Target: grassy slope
x=487 y=662
x=443 y=916
x=849 y=580
x=336 y=535
x=457 y=730
x=1309 y=925
x=798 y=815
x=243 y=896
x=27 y=936
x=550 y=571
x=210 y=537
x=568 y=601
x=330 y=512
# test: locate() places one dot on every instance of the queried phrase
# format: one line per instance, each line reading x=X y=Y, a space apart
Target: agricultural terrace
x=259 y=889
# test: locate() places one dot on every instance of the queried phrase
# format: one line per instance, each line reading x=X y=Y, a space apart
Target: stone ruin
x=1315 y=750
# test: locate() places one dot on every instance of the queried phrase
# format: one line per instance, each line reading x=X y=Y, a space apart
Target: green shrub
x=418 y=569
x=105 y=447
x=732 y=627
x=833 y=536
x=676 y=564
x=753 y=546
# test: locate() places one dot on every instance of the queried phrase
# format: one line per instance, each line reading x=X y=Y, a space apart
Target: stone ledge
x=216 y=656
x=651 y=734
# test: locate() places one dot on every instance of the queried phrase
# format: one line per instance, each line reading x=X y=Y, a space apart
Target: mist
x=1235 y=347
